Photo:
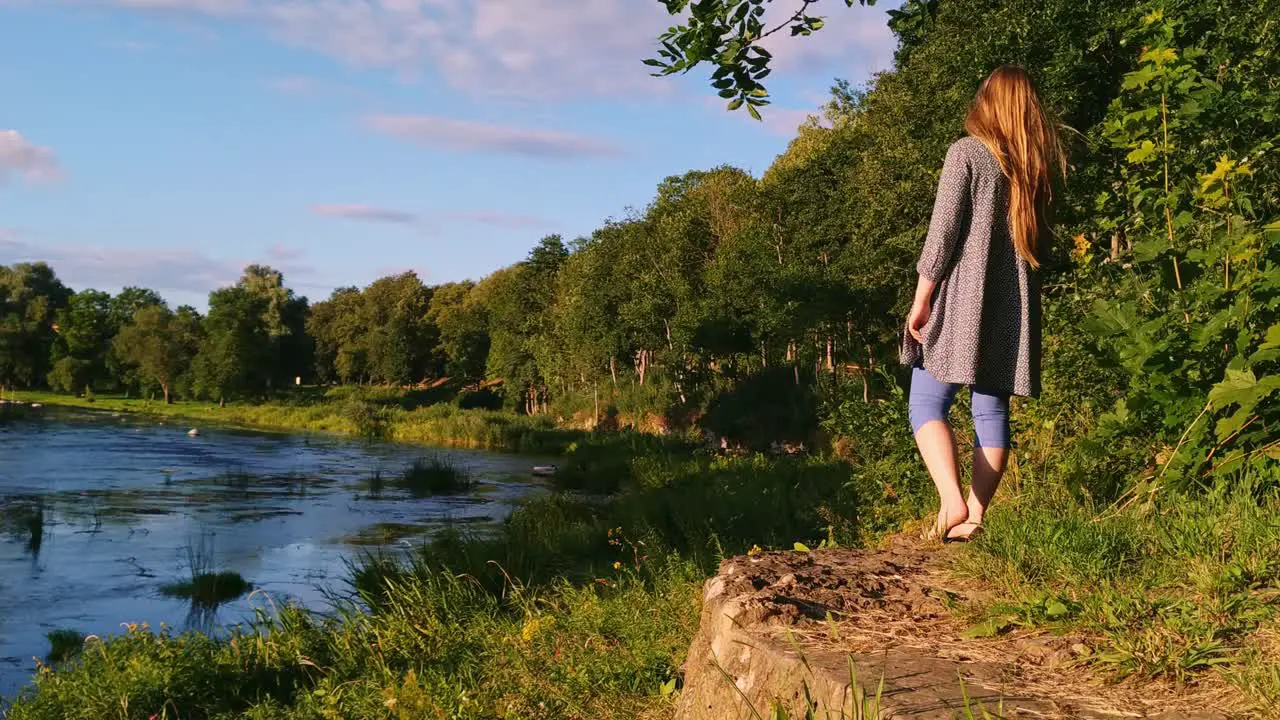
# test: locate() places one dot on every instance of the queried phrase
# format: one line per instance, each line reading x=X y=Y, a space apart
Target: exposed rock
x=787 y=628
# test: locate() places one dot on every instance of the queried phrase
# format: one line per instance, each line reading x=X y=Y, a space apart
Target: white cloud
x=513 y=221
x=452 y=134
x=18 y=156
x=531 y=49
x=368 y=213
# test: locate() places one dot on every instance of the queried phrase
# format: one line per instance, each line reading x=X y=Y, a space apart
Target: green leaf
x=1056 y=609
x=1235 y=387
x=986 y=629
x=1142 y=153
x=751 y=109
x=735 y=104
x=1273 y=338
x=801 y=547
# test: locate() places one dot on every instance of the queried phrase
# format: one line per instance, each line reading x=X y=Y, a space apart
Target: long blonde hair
x=1008 y=118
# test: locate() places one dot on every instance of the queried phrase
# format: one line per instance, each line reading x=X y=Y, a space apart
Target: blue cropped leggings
x=931 y=400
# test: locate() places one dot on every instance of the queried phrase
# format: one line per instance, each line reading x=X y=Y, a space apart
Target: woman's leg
x=990 y=450
x=928 y=406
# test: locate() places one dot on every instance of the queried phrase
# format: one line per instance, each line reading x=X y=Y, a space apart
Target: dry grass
x=1029 y=662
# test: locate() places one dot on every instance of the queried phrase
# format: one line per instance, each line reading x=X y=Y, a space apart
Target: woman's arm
x=921 y=307
x=950 y=217
x=946 y=227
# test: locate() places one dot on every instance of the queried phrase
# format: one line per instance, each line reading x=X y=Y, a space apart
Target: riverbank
x=349 y=412
x=578 y=608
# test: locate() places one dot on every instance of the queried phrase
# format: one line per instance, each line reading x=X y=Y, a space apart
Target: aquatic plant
x=64 y=644
x=377 y=483
x=209 y=589
x=206 y=588
x=24 y=520
x=435 y=475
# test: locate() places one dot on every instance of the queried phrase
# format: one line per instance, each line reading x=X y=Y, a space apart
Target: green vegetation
x=374 y=413
x=573 y=608
x=63 y=645
x=1140 y=505
x=434 y=475
x=209 y=589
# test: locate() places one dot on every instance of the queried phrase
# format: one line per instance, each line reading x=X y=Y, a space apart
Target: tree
x=399 y=339
x=519 y=323
x=83 y=342
x=460 y=317
x=30 y=297
x=236 y=354
x=125 y=304
x=283 y=320
x=121 y=310
x=160 y=344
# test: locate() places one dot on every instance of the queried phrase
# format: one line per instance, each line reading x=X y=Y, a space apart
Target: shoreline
x=440 y=425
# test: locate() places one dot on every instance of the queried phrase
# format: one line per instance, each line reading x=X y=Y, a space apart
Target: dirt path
x=786 y=626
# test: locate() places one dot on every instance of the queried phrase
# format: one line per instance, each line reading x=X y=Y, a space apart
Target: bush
x=483 y=399
x=367 y=419
x=766 y=408
x=63 y=645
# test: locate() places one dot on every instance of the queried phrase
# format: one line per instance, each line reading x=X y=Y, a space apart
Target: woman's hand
x=918 y=317
x=921 y=308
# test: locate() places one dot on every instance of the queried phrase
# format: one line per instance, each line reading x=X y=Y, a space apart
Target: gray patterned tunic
x=984 y=328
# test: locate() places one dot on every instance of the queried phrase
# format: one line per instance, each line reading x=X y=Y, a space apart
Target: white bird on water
x=193 y=432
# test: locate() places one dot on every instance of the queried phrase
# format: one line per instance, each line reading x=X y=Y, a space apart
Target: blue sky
x=167 y=143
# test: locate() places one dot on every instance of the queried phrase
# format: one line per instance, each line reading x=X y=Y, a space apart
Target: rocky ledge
x=800 y=630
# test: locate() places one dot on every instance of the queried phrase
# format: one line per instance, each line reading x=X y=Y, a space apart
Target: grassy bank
x=384 y=414
x=1183 y=590
x=576 y=609
x=583 y=607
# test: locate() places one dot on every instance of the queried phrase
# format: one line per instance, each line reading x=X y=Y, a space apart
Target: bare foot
x=963 y=532
x=947 y=520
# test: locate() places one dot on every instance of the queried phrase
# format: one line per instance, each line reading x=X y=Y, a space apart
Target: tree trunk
x=866 y=373
x=164 y=388
x=613 y=369
x=831 y=361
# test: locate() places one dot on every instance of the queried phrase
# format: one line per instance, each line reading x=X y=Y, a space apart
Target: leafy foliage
x=726 y=34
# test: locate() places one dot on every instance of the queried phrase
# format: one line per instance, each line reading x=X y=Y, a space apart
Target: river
x=97 y=514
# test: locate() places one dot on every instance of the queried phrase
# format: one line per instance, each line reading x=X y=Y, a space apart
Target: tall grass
x=1185 y=585
x=434 y=475
x=206 y=587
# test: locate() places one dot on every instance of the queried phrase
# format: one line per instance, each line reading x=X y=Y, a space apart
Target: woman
x=976 y=316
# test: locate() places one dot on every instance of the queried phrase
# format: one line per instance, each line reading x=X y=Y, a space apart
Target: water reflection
x=96 y=518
